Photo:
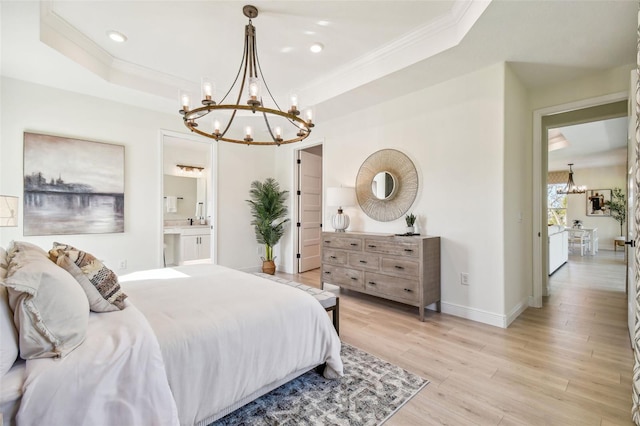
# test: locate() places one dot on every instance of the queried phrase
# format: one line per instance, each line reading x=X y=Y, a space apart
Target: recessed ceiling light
x=286 y=49
x=323 y=23
x=316 y=47
x=116 y=36
x=309 y=32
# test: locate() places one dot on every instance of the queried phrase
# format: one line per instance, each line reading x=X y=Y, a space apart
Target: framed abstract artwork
x=596 y=202
x=72 y=186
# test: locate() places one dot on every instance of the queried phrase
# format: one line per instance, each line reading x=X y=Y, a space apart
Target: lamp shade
x=341 y=197
x=8 y=210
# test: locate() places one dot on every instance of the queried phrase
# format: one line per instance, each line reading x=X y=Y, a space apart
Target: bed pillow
x=4 y=263
x=8 y=333
x=98 y=282
x=50 y=310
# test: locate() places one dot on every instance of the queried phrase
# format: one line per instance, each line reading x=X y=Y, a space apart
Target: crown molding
x=420 y=44
x=57 y=33
x=415 y=46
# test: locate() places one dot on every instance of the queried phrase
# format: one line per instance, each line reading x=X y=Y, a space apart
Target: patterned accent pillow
x=98 y=282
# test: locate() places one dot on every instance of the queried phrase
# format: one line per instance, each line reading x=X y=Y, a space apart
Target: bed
x=192 y=344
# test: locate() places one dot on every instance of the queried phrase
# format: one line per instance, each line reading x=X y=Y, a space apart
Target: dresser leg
x=421 y=310
x=438 y=307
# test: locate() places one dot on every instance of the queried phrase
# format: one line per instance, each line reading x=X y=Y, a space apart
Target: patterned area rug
x=369 y=393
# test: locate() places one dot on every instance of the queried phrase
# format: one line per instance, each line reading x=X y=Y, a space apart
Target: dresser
x=400 y=268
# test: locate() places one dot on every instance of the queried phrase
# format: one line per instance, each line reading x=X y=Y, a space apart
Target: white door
x=309 y=210
x=632 y=161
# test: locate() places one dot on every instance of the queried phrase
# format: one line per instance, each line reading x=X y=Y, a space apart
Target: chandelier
x=252 y=80
x=571 y=187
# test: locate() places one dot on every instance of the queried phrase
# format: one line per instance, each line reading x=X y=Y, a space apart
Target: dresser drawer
x=343 y=277
x=338 y=242
x=398 y=248
x=400 y=266
x=335 y=257
x=365 y=261
x=394 y=287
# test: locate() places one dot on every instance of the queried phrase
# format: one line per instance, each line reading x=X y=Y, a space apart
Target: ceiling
x=374 y=50
x=596 y=144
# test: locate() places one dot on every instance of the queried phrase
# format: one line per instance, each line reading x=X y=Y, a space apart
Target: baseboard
x=516 y=311
x=250 y=269
x=473 y=314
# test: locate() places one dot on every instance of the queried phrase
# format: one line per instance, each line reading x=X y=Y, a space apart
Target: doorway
x=581 y=112
x=189 y=199
x=309 y=208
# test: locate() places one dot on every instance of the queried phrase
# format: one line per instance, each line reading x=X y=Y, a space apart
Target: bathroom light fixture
x=341 y=197
x=252 y=79
x=571 y=187
x=8 y=211
x=190 y=170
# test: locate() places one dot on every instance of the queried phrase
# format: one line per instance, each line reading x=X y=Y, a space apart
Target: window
x=556 y=205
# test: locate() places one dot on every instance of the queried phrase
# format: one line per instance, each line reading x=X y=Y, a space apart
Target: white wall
x=454 y=134
x=597 y=178
x=518 y=177
x=238 y=166
x=602 y=83
x=30 y=107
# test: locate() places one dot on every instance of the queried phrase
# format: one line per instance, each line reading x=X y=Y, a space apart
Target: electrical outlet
x=122 y=264
x=464 y=278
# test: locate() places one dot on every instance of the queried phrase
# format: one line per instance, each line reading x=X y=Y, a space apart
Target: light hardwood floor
x=569 y=363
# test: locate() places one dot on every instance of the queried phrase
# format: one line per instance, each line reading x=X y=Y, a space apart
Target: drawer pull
x=408 y=290
x=399 y=267
x=354 y=278
x=372 y=283
x=371 y=246
x=327 y=241
x=354 y=244
x=327 y=272
x=408 y=250
x=333 y=257
x=363 y=261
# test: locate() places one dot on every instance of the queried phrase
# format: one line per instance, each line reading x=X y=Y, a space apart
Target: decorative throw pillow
x=8 y=333
x=4 y=263
x=50 y=310
x=98 y=282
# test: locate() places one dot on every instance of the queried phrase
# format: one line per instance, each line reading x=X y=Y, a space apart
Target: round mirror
x=386 y=185
x=383 y=185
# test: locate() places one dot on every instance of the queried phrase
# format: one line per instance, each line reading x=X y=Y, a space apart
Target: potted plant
x=618 y=207
x=411 y=220
x=269 y=210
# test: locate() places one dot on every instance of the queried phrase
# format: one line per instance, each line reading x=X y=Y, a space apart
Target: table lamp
x=340 y=197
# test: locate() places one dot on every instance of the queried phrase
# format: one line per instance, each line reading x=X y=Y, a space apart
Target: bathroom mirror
x=386 y=185
x=383 y=185
x=182 y=197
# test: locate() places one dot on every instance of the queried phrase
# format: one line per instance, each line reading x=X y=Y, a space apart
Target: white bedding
x=225 y=334
x=115 y=377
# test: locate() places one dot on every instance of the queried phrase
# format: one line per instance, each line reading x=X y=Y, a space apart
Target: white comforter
x=225 y=334
x=115 y=377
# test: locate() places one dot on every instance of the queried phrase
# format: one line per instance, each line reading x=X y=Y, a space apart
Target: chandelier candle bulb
x=309 y=115
x=208 y=91
x=185 y=101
